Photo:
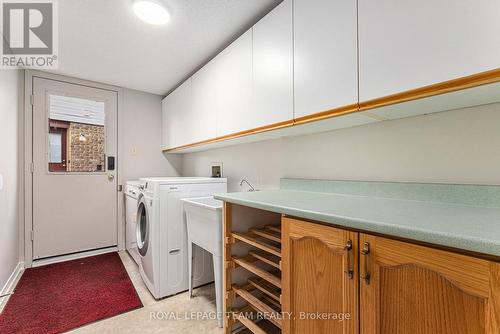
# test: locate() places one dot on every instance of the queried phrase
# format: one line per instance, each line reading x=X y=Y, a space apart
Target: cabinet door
x=177 y=114
x=204 y=103
x=316 y=286
x=410 y=44
x=415 y=289
x=273 y=67
x=235 y=83
x=325 y=55
x=165 y=132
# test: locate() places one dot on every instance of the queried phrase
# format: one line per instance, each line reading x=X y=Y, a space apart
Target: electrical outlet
x=216 y=169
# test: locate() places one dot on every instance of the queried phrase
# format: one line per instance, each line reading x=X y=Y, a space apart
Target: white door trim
x=28 y=156
x=10 y=285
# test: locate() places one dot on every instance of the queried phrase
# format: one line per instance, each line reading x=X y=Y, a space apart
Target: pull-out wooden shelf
x=262 y=292
x=248 y=323
x=260 y=305
x=253 y=241
x=254 y=269
x=274 y=228
x=266 y=258
x=247 y=317
x=267 y=234
x=266 y=288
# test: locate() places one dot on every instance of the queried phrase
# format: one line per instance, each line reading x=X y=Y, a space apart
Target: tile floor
x=143 y=320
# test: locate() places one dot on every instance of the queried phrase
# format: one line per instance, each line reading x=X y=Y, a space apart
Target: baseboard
x=10 y=285
x=62 y=258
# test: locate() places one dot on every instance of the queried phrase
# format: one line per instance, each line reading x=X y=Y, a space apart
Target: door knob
x=111 y=177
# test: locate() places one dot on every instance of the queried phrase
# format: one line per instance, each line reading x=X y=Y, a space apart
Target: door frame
x=29 y=77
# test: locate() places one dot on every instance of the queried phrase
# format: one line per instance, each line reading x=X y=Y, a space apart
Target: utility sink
x=204 y=223
x=204 y=228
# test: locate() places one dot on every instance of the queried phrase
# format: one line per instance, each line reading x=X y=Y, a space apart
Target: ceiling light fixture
x=151 y=12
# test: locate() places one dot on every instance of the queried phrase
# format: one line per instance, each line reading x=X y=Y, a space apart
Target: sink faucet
x=245 y=181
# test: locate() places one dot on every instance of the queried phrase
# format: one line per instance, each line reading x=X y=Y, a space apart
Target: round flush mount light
x=151 y=12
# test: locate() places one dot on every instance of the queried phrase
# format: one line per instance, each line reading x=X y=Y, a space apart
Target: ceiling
x=103 y=40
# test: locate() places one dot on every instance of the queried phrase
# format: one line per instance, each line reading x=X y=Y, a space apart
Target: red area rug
x=62 y=296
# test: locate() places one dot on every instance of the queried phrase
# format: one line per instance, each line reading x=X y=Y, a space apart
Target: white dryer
x=131 y=202
x=162 y=233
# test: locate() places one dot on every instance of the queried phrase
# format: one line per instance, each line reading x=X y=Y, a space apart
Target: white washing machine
x=162 y=233
x=131 y=203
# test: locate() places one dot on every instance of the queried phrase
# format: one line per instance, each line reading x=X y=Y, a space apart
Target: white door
x=74 y=180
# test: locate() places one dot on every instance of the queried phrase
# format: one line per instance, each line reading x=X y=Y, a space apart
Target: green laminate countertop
x=467 y=227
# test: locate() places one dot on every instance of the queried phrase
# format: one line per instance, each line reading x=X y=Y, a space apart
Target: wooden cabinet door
x=410 y=44
x=419 y=290
x=325 y=55
x=317 y=287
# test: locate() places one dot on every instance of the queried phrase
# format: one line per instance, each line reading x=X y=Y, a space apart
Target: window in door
x=58 y=146
x=76 y=134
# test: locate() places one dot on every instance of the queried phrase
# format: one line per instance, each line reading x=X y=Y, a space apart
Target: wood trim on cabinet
x=340 y=111
x=449 y=86
x=227 y=278
x=248 y=132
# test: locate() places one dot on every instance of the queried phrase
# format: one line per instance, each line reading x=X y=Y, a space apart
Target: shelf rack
x=262 y=291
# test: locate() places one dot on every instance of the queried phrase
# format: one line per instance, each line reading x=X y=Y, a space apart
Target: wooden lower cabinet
x=319 y=278
x=413 y=289
x=400 y=288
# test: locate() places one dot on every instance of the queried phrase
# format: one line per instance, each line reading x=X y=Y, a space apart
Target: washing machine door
x=143 y=227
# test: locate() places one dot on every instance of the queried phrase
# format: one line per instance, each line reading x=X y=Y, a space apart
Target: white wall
x=11 y=83
x=140 y=143
x=459 y=146
x=141 y=138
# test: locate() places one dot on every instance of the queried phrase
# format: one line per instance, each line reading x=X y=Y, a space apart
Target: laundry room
x=264 y=166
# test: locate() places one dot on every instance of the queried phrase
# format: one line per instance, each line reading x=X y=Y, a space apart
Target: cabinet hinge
x=32 y=235
x=32 y=99
x=32 y=167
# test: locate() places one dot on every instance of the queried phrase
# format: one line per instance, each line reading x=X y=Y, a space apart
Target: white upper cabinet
x=273 y=67
x=414 y=43
x=234 y=80
x=177 y=114
x=325 y=55
x=165 y=134
x=205 y=93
